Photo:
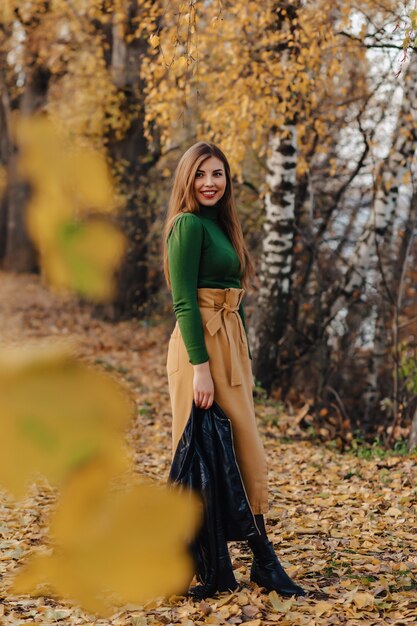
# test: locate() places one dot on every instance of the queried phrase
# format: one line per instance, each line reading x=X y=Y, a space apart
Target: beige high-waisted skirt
x=231 y=370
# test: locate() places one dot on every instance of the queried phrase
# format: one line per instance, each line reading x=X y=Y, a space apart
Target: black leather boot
x=267 y=571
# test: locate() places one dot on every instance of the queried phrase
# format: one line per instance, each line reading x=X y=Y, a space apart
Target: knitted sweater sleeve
x=185 y=242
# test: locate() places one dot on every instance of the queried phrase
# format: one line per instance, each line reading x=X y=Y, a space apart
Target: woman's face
x=210 y=181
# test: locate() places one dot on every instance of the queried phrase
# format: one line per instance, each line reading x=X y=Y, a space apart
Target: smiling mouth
x=208 y=194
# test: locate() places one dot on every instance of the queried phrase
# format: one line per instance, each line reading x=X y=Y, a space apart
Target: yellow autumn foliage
x=57 y=414
x=69 y=185
x=249 y=68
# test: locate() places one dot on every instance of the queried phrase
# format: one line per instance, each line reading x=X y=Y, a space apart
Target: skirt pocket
x=173 y=356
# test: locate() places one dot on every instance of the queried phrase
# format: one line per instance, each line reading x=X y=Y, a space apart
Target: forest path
x=344 y=527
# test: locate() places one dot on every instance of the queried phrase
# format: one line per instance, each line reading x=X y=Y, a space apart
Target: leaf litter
x=343 y=527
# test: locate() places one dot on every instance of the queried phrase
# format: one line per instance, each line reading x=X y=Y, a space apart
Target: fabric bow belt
x=224 y=317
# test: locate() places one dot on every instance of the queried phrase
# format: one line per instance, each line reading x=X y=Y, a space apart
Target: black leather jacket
x=205 y=461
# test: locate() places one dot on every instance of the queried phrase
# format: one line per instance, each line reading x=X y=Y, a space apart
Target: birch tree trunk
x=372 y=266
x=404 y=254
x=399 y=163
x=388 y=257
x=392 y=172
x=271 y=315
x=276 y=260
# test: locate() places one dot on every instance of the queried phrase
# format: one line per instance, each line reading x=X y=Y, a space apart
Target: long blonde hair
x=183 y=200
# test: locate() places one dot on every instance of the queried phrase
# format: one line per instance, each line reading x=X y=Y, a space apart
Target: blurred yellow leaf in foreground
x=115 y=546
x=84 y=259
x=56 y=414
x=70 y=188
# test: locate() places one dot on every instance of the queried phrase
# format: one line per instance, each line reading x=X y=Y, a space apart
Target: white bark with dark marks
x=397 y=169
x=372 y=262
x=393 y=171
x=277 y=251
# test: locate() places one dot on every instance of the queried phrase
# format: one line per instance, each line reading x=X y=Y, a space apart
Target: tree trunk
x=133 y=283
x=392 y=172
x=412 y=441
x=276 y=260
x=19 y=252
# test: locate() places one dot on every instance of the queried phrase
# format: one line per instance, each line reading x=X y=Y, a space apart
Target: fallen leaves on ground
x=343 y=527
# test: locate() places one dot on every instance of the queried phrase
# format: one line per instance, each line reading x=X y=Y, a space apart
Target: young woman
x=206 y=262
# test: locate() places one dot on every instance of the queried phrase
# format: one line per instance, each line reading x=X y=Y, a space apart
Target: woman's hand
x=203 y=385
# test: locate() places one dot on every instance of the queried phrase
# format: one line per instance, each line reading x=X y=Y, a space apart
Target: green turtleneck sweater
x=200 y=254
